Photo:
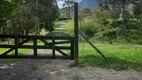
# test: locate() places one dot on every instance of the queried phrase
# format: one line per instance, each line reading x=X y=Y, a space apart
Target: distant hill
x=87 y=3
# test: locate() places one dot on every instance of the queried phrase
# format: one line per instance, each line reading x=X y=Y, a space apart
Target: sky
x=60 y=2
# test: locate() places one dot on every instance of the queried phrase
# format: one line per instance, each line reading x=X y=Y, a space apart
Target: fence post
x=16 y=45
x=53 y=47
x=35 y=46
x=76 y=32
x=72 y=48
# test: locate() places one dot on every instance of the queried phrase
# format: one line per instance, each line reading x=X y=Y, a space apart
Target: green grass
x=122 y=56
x=7 y=60
x=69 y=27
x=2 y=50
x=21 y=51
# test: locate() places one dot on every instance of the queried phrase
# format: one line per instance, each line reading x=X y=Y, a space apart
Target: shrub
x=89 y=29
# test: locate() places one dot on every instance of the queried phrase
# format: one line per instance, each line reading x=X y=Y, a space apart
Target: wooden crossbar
x=57 y=49
x=35 y=46
x=12 y=47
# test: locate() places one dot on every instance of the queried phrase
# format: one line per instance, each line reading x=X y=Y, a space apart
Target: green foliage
x=28 y=16
x=138 y=10
x=89 y=29
x=122 y=56
x=85 y=12
x=6 y=8
x=22 y=20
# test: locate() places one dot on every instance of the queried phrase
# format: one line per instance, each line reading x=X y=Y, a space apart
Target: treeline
x=24 y=17
x=119 y=20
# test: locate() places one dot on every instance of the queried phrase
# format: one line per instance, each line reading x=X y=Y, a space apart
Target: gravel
x=44 y=69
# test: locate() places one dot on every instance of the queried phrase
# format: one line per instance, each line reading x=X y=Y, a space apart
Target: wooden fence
x=54 y=40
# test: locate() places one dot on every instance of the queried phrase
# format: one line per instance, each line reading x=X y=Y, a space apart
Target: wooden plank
x=7 y=46
x=32 y=57
x=36 y=37
x=64 y=54
x=76 y=32
x=62 y=42
x=12 y=47
x=38 y=47
x=57 y=49
x=46 y=43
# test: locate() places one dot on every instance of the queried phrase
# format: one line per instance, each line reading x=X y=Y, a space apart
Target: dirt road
x=60 y=70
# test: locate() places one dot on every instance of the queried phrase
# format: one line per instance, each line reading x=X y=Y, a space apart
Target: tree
x=32 y=15
x=117 y=5
x=67 y=7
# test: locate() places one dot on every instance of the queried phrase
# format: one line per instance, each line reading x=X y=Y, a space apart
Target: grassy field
x=122 y=56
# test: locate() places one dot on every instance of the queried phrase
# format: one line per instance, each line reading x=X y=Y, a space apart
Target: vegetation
x=27 y=16
x=116 y=24
x=122 y=56
x=69 y=27
x=111 y=21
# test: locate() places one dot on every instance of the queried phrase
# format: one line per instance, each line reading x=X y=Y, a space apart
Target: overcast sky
x=60 y=2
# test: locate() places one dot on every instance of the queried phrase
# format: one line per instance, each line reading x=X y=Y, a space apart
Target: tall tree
x=67 y=7
x=32 y=15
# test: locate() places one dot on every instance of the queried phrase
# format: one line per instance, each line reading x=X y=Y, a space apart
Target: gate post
x=72 y=48
x=35 y=46
x=76 y=32
x=16 y=45
x=53 y=47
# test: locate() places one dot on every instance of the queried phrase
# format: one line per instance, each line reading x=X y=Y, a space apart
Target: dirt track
x=60 y=70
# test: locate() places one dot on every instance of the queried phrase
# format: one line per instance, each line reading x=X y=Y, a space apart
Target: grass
x=2 y=50
x=122 y=56
x=69 y=27
x=21 y=51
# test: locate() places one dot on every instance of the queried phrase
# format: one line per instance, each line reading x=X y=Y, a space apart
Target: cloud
x=60 y=3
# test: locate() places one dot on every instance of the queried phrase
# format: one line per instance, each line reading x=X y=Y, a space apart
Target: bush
x=89 y=29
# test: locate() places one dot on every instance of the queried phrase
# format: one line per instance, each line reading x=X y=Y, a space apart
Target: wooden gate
x=53 y=44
